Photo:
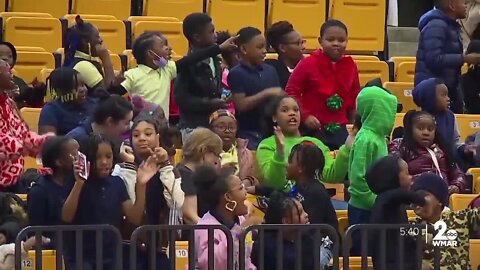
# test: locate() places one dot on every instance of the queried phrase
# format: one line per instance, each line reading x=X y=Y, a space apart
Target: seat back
x=403 y=92
x=112 y=32
x=234 y=15
x=461 y=201
x=365 y=57
x=172 y=8
x=29 y=64
x=173 y=31
x=369 y=70
x=43 y=76
x=397 y=60
x=55 y=8
x=34 y=31
x=71 y=17
x=119 y=8
x=365 y=20
x=48 y=260
x=295 y=11
x=467 y=124
x=405 y=72
x=31 y=116
x=6 y=15
x=181 y=255
x=29 y=49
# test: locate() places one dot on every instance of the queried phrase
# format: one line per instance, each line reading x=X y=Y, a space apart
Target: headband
x=219 y=113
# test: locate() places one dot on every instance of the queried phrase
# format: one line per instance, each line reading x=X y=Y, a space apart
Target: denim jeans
x=357 y=216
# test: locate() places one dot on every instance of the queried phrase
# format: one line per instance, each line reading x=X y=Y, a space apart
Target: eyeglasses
x=232 y=128
x=298 y=43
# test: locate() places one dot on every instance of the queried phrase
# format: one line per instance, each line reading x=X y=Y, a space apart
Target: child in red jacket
x=326 y=85
x=16 y=140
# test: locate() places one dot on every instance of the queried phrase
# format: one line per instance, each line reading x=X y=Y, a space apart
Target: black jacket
x=194 y=89
x=282 y=71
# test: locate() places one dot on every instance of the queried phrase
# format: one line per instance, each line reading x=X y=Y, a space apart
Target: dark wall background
x=410 y=11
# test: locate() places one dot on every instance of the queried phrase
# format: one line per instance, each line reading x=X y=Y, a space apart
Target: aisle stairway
x=402 y=41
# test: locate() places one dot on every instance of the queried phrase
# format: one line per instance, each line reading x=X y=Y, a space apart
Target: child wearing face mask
x=424 y=149
x=465 y=222
x=326 y=85
x=152 y=77
x=389 y=178
x=224 y=196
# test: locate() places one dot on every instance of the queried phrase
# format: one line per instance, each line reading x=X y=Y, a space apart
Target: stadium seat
x=295 y=11
x=341 y=213
x=22 y=196
x=34 y=31
x=399 y=120
x=31 y=116
x=44 y=73
x=2 y=5
x=55 y=8
x=118 y=8
x=365 y=57
x=48 y=260
x=29 y=49
x=256 y=211
x=403 y=92
x=467 y=124
x=339 y=190
x=181 y=252
x=397 y=60
x=271 y=56
x=342 y=225
x=369 y=70
x=474 y=252
x=173 y=31
x=178 y=157
x=461 y=201
x=405 y=72
x=365 y=20
x=355 y=263
x=29 y=64
x=112 y=32
x=31 y=163
x=172 y=8
x=6 y=15
x=234 y=15
x=71 y=17
x=116 y=62
x=475 y=173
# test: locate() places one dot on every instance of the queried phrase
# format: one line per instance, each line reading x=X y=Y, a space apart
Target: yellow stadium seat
x=172 y=8
x=56 y=8
x=365 y=20
x=31 y=116
x=403 y=92
x=411 y=214
x=48 y=260
x=29 y=49
x=44 y=73
x=116 y=62
x=369 y=70
x=271 y=56
x=6 y=15
x=399 y=120
x=71 y=17
x=295 y=11
x=475 y=172
x=341 y=213
x=31 y=163
x=256 y=212
x=339 y=189
x=22 y=196
x=342 y=225
x=29 y=64
x=397 y=60
x=474 y=252
x=33 y=31
x=131 y=61
x=461 y=201
x=365 y=57
x=181 y=255
x=234 y=15
x=178 y=157
x=173 y=31
x=112 y=32
x=136 y=19
x=355 y=263
x=118 y=8
x=2 y=5
x=405 y=72
x=467 y=124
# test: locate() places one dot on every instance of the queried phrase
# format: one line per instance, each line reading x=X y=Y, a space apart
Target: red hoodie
x=16 y=141
x=316 y=78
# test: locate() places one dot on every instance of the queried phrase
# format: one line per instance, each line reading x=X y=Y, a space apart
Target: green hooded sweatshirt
x=273 y=167
x=377 y=109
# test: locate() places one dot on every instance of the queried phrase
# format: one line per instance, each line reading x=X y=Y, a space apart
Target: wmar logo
x=444 y=238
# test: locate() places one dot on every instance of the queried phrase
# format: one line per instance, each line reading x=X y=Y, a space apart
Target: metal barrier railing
x=156 y=233
x=415 y=231
x=58 y=239
x=315 y=231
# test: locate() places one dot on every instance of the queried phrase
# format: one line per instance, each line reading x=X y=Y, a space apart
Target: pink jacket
x=220 y=246
x=16 y=141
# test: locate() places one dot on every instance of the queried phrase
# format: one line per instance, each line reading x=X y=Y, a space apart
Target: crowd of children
x=107 y=154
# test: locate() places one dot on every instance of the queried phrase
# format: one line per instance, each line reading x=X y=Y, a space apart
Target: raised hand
x=126 y=154
x=279 y=140
x=160 y=155
x=229 y=44
x=147 y=170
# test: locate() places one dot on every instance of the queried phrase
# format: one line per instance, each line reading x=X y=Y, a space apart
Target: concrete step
x=402 y=48
x=403 y=34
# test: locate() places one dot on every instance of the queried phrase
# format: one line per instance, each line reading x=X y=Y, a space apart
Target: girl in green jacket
x=282 y=133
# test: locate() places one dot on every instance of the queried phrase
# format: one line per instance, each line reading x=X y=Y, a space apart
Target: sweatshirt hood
x=383 y=174
x=377 y=109
x=425 y=95
x=435 y=14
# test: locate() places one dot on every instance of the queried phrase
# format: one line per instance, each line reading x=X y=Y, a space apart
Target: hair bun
x=78 y=20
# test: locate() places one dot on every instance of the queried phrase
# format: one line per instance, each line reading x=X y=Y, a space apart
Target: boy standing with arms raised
x=440 y=49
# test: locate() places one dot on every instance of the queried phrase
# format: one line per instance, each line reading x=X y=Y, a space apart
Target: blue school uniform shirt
x=65 y=116
x=251 y=81
x=45 y=202
x=81 y=132
x=101 y=203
